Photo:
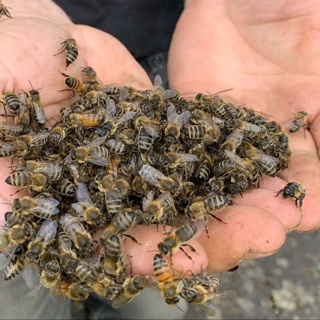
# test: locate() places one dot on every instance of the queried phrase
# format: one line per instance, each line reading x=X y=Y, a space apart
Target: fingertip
x=248 y=230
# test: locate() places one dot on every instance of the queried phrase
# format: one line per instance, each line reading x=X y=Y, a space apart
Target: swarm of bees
x=119 y=157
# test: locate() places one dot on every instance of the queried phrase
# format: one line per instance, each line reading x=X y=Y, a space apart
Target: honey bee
x=13 y=149
x=117 y=147
x=67 y=256
x=43 y=208
x=98 y=100
x=90 y=77
x=93 y=152
x=64 y=187
x=75 y=85
x=132 y=287
x=174 y=159
x=175 y=241
x=214 y=103
x=166 y=281
x=175 y=122
x=26 y=179
x=201 y=292
x=113 y=202
x=157 y=210
x=45 y=236
x=76 y=231
x=85 y=208
x=12 y=217
x=247 y=165
x=16 y=265
x=113 y=263
x=10 y=129
x=293 y=190
x=23 y=116
x=58 y=133
x=73 y=290
x=50 y=169
x=10 y=99
x=139 y=186
x=121 y=223
x=233 y=141
x=35 y=140
x=4 y=11
x=157 y=179
x=71 y=47
x=208 y=205
x=85 y=273
x=37 y=106
x=16 y=234
x=300 y=121
x=240 y=125
x=51 y=274
x=267 y=164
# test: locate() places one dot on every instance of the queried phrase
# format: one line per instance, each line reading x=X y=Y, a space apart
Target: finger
x=304 y=168
x=141 y=256
x=247 y=230
x=285 y=211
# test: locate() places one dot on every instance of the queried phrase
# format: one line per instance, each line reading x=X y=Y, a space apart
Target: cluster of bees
x=119 y=157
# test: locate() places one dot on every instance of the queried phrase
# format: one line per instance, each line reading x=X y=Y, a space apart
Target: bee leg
x=215 y=217
x=278 y=192
x=187 y=253
x=190 y=247
x=132 y=238
x=300 y=203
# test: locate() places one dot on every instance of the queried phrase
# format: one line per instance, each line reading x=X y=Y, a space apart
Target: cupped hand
x=267 y=52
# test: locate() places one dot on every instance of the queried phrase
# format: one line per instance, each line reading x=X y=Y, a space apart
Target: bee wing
x=30 y=276
x=169 y=94
x=7 y=147
x=150 y=174
x=208 y=308
x=187 y=157
x=44 y=210
x=48 y=169
x=48 y=230
x=40 y=136
x=124 y=93
x=147 y=199
x=99 y=161
x=10 y=126
x=39 y=112
x=171 y=111
x=157 y=81
x=47 y=202
x=110 y=109
x=184 y=117
x=150 y=131
x=83 y=194
x=5 y=257
x=234 y=158
x=126 y=117
x=96 y=142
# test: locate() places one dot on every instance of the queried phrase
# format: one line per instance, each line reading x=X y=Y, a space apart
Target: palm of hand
x=267 y=54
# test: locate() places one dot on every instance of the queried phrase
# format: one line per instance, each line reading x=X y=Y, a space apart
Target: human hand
x=267 y=52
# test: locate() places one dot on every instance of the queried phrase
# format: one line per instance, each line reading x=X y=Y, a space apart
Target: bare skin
x=203 y=57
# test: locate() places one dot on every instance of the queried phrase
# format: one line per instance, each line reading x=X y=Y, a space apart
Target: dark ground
x=285 y=285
